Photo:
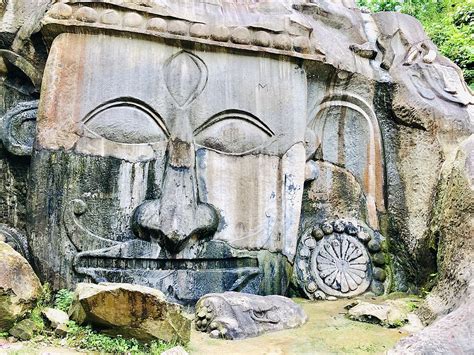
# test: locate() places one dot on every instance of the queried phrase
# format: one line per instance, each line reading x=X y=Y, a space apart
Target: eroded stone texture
x=19 y=286
x=450 y=334
x=130 y=311
x=340 y=258
x=195 y=148
x=199 y=187
x=389 y=314
x=233 y=315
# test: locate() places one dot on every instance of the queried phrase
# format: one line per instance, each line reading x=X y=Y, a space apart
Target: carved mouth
x=87 y=261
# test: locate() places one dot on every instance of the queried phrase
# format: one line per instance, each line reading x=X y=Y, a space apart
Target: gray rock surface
x=24 y=329
x=233 y=315
x=19 y=287
x=130 y=311
x=390 y=313
x=55 y=317
x=450 y=334
x=194 y=146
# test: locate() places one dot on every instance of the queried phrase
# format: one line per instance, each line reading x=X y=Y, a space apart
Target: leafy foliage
x=449 y=23
x=87 y=339
x=63 y=300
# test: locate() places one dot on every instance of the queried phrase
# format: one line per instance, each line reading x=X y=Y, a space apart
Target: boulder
x=390 y=313
x=130 y=311
x=55 y=317
x=24 y=330
x=19 y=286
x=234 y=315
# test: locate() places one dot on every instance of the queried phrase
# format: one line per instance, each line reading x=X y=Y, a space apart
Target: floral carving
x=341 y=263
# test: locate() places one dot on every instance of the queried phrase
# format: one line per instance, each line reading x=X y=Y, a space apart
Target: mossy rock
x=19 y=287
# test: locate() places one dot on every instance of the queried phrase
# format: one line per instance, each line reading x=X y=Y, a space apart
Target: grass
x=85 y=338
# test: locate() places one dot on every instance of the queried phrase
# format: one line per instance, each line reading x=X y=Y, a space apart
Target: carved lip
x=112 y=263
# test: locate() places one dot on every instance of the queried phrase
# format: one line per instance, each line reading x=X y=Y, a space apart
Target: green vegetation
x=449 y=23
x=63 y=300
x=412 y=306
x=86 y=338
x=81 y=337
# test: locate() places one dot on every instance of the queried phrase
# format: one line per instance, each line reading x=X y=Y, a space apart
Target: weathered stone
x=61 y=330
x=379 y=274
x=19 y=286
x=377 y=288
x=378 y=259
x=24 y=330
x=130 y=311
x=233 y=315
x=374 y=246
x=336 y=264
x=391 y=313
x=450 y=334
x=189 y=146
x=55 y=317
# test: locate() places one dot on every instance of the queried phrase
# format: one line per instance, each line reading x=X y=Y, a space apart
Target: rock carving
x=233 y=315
x=245 y=146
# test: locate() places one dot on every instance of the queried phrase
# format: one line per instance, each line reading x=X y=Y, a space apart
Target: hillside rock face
x=131 y=311
x=19 y=287
x=200 y=147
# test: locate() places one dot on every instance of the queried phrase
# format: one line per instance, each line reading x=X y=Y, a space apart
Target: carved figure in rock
x=233 y=315
x=201 y=148
x=340 y=258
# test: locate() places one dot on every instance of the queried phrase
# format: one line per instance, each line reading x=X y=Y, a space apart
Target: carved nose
x=177 y=215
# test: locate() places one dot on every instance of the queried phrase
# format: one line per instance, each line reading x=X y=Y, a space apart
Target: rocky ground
x=327 y=331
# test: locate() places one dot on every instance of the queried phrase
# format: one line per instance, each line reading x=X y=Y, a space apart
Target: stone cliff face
x=202 y=147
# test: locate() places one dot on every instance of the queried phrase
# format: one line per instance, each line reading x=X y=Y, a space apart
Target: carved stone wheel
x=333 y=260
x=341 y=266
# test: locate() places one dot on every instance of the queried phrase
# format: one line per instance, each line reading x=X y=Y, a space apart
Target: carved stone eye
x=234 y=132
x=126 y=121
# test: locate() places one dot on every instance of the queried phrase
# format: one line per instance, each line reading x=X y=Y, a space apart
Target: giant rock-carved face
x=174 y=169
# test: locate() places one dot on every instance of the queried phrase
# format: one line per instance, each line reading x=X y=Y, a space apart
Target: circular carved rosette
x=333 y=260
x=341 y=266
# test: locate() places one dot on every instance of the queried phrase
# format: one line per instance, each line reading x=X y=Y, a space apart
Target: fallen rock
x=61 y=330
x=234 y=315
x=19 y=286
x=55 y=317
x=414 y=324
x=390 y=314
x=24 y=330
x=130 y=311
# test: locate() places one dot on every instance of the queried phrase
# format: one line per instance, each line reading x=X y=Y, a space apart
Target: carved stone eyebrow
x=235 y=114
x=128 y=102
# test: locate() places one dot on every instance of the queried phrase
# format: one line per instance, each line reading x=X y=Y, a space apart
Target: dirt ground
x=327 y=331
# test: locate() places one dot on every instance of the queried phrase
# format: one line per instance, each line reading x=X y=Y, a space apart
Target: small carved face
x=171 y=167
x=233 y=315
